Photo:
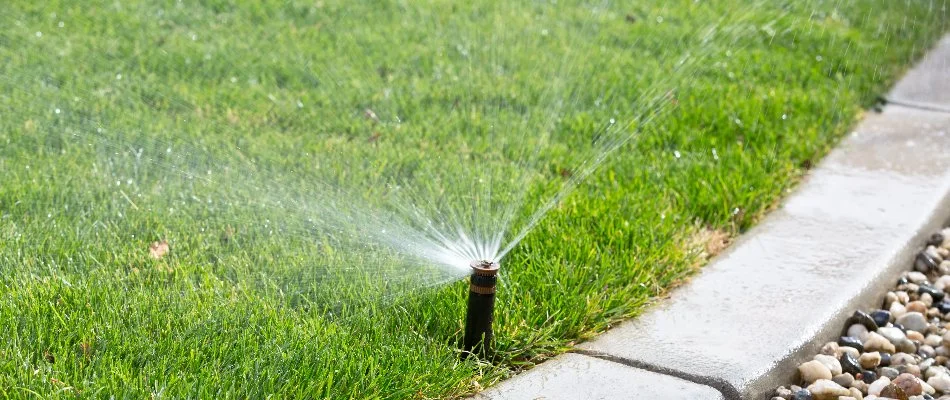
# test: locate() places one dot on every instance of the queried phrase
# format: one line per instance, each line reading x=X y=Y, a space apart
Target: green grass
x=255 y=300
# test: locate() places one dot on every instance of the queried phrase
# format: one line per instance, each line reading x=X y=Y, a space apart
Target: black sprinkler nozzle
x=481 y=308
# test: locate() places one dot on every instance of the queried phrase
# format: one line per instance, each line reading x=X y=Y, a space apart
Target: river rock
x=926 y=351
x=892 y=334
x=868 y=376
x=878 y=385
x=830 y=349
x=903 y=359
x=909 y=384
x=844 y=379
x=802 y=394
x=893 y=391
x=885 y=359
x=849 y=363
x=848 y=341
x=814 y=370
x=869 y=360
x=881 y=317
x=852 y=351
x=933 y=340
x=876 y=342
x=824 y=389
x=783 y=392
x=856 y=393
x=912 y=320
x=935 y=294
x=862 y=318
x=857 y=331
x=917 y=307
x=897 y=310
x=916 y=277
x=829 y=362
x=936 y=370
x=940 y=382
x=889 y=372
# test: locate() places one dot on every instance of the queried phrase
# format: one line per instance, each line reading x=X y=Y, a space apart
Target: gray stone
x=576 y=376
x=844 y=379
x=914 y=321
x=892 y=334
x=888 y=372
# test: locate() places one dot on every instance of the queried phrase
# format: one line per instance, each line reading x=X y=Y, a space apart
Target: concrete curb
x=838 y=243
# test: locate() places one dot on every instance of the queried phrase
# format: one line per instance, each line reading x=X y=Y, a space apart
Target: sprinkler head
x=481 y=308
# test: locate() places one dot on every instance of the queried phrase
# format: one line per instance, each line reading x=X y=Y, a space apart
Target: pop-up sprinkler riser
x=481 y=308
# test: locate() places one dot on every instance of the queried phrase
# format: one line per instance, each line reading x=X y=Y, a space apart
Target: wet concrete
x=927 y=85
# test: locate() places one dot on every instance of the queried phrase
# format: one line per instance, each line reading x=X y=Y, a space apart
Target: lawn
x=292 y=153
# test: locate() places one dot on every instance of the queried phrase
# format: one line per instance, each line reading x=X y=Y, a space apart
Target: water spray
x=481 y=308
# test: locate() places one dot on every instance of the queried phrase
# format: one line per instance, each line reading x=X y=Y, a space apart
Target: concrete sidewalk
x=740 y=327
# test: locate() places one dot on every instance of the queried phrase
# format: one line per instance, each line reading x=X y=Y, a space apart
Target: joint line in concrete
x=916 y=105
x=728 y=391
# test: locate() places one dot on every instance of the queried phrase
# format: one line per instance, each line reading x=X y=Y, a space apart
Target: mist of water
x=405 y=197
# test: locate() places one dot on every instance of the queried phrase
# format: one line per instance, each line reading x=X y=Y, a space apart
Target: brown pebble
x=909 y=384
x=892 y=391
x=915 y=336
x=917 y=306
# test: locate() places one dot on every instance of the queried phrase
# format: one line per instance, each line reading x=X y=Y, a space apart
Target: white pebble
x=829 y=362
x=813 y=371
x=940 y=382
x=877 y=386
x=825 y=389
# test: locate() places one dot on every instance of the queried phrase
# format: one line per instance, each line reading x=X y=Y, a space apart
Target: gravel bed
x=900 y=351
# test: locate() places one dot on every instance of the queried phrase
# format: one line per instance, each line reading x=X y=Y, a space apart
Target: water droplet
x=39 y=34
x=784 y=117
x=56 y=111
x=612 y=121
x=676 y=153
